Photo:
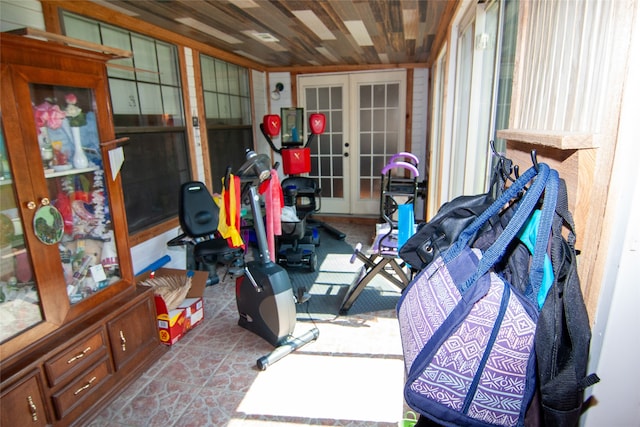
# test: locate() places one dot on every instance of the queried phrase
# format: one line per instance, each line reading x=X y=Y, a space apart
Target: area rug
x=328 y=285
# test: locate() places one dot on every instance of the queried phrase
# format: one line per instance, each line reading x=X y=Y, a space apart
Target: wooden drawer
x=76 y=358
x=85 y=388
x=22 y=404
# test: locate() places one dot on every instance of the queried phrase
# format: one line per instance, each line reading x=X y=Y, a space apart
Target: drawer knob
x=80 y=355
x=123 y=341
x=84 y=387
x=32 y=408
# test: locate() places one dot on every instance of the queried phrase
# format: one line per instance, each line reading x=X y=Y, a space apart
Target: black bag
x=434 y=237
x=563 y=333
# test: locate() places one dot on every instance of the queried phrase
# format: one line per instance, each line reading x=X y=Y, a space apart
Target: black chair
x=198 y=215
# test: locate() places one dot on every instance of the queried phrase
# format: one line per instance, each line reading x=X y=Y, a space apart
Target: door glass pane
x=73 y=167
x=379 y=133
x=19 y=298
x=327 y=155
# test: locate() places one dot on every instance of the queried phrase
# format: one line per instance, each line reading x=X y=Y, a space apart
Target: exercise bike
x=264 y=295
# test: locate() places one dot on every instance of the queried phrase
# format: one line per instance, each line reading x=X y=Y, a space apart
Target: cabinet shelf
x=50 y=173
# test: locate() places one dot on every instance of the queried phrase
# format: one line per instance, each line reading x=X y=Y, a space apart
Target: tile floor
x=352 y=376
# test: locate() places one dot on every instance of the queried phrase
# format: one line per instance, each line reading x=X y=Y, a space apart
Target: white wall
x=20 y=13
x=418 y=143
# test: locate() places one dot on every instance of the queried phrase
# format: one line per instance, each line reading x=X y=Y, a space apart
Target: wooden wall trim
x=444 y=29
x=408 y=132
x=314 y=69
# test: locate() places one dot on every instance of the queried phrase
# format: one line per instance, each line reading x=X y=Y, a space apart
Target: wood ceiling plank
x=398 y=39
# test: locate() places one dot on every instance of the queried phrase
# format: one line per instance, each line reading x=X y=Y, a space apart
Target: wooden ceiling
x=399 y=31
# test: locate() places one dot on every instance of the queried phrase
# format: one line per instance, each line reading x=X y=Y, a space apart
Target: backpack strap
x=522 y=213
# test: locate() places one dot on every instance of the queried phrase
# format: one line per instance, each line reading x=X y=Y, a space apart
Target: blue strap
x=537 y=269
x=522 y=213
x=505 y=197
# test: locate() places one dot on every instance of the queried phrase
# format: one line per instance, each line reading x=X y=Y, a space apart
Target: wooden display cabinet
x=74 y=326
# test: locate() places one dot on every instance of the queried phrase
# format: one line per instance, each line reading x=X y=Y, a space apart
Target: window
x=146 y=98
x=227 y=103
x=479 y=65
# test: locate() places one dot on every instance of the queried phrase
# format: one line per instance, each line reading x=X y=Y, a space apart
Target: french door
x=365 y=126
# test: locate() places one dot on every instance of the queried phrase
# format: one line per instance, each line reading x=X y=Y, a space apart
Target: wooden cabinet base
x=70 y=377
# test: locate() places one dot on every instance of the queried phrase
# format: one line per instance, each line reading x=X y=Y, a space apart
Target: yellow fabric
x=228 y=217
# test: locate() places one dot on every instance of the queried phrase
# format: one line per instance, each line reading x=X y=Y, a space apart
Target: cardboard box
x=172 y=325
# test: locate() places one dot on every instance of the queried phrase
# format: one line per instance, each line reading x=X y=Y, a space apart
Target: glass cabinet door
x=76 y=217
x=19 y=299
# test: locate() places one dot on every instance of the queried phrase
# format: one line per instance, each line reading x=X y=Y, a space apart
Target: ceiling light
x=324 y=52
x=208 y=30
x=263 y=37
x=359 y=32
x=314 y=23
x=384 y=58
x=266 y=39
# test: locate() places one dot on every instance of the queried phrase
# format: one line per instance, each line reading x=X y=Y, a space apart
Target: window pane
x=246 y=111
x=124 y=97
x=393 y=95
x=365 y=120
x=379 y=96
x=211 y=105
x=236 y=110
x=172 y=105
x=227 y=147
x=393 y=119
x=379 y=121
x=365 y=96
x=221 y=77
x=151 y=184
x=82 y=29
x=311 y=96
x=365 y=166
x=207 y=66
x=234 y=84
x=150 y=98
x=120 y=39
x=336 y=98
x=169 y=72
x=144 y=54
x=224 y=103
x=323 y=98
x=243 y=75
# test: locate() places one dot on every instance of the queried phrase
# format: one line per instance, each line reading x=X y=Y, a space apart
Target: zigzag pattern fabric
x=480 y=366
